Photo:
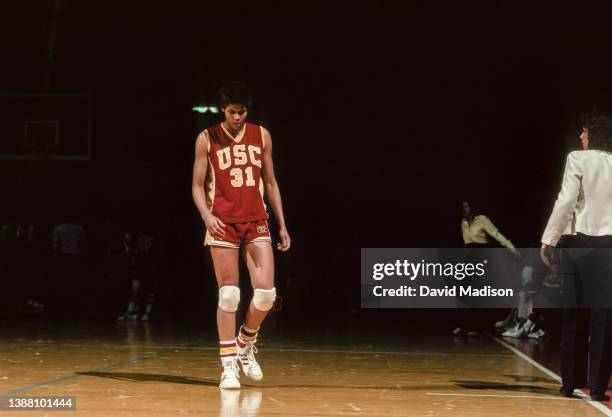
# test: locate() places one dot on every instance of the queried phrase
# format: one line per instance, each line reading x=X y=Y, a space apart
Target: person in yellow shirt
x=478 y=229
x=478 y=232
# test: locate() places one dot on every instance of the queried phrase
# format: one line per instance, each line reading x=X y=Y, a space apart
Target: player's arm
x=200 y=167
x=273 y=192
x=496 y=234
x=563 y=210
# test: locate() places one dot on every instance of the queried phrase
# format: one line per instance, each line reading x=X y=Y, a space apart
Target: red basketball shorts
x=237 y=234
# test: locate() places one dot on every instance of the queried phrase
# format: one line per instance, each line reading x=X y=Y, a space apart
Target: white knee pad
x=229 y=297
x=263 y=300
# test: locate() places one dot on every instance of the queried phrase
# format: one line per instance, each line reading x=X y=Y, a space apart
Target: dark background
x=385 y=118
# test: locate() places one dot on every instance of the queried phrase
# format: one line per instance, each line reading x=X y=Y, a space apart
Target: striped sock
x=227 y=350
x=246 y=335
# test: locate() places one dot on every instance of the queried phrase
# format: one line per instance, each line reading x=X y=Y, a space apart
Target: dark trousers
x=579 y=357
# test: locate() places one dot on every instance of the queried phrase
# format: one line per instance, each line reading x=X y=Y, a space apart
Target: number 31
x=237 y=179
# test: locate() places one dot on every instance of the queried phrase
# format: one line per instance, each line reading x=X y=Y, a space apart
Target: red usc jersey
x=233 y=181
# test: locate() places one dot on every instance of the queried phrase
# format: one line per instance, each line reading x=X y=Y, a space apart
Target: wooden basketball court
x=138 y=369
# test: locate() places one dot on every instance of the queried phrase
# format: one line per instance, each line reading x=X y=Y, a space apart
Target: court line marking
x=298 y=350
x=359 y=352
x=63 y=379
x=354 y=407
x=502 y=396
x=379 y=352
x=551 y=374
x=277 y=401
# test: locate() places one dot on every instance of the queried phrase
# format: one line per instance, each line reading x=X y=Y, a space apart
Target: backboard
x=45 y=126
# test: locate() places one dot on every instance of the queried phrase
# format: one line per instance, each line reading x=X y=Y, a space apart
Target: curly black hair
x=599 y=127
x=234 y=92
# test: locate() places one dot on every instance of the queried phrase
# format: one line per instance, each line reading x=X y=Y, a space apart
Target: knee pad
x=263 y=300
x=229 y=297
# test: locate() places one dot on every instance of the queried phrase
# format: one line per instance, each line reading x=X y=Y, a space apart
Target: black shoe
x=599 y=396
x=566 y=392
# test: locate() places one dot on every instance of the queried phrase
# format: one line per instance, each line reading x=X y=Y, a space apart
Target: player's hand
x=285 y=241
x=547 y=254
x=215 y=226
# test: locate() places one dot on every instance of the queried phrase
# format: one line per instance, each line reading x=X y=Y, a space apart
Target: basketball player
x=233 y=167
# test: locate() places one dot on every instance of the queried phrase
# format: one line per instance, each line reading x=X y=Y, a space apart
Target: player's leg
x=225 y=261
x=149 y=284
x=131 y=312
x=260 y=263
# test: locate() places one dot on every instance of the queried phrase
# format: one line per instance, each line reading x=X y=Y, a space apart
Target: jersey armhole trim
x=263 y=138
x=207 y=140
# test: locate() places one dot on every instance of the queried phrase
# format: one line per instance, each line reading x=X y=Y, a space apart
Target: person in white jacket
x=584 y=209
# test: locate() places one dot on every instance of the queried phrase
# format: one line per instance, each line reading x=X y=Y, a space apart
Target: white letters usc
x=240 y=156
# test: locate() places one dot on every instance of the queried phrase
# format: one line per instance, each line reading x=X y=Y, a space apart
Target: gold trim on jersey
x=240 y=134
x=207 y=140
x=211 y=184
x=263 y=138
x=260 y=165
x=261 y=192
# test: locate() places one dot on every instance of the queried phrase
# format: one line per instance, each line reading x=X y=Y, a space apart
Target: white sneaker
x=230 y=376
x=514 y=331
x=528 y=327
x=520 y=330
x=538 y=334
x=250 y=367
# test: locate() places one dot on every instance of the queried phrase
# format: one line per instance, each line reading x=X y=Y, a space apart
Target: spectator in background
x=122 y=257
x=69 y=239
x=137 y=260
x=40 y=249
x=478 y=231
x=69 y=242
x=148 y=265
